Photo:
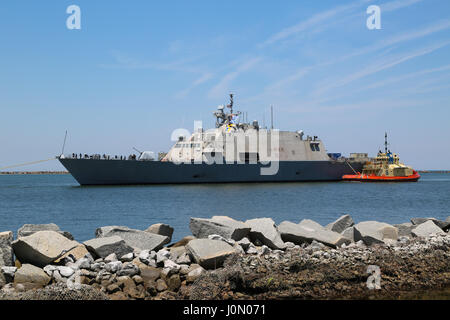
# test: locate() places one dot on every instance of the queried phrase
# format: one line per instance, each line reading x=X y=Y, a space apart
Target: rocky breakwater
x=227 y=259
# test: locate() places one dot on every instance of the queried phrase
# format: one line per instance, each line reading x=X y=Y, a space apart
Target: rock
x=135 y=238
x=49 y=269
x=244 y=243
x=264 y=230
x=31 y=274
x=112 y=288
x=65 y=271
x=177 y=252
x=128 y=286
x=315 y=246
x=341 y=224
x=174 y=282
x=404 y=229
x=264 y=250
x=102 y=247
x=444 y=225
x=195 y=274
x=42 y=247
x=128 y=269
x=113 y=266
x=372 y=232
x=161 y=256
x=183 y=242
x=426 y=229
x=119 y=296
x=83 y=263
x=231 y=242
x=28 y=229
x=149 y=274
x=7 y=275
x=307 y=231
x=161 y=229
x=161 y=285
x=349 y=233
x=209 y=253
x=8 y=271
x=220 y=225
x=58 y=277
x=144 y=255
x=111 y=258
x=6 y=250
x=252 y=250
x=127 y=257
x=183 y=259
x=76 y=253
x=169 y=264
x=137 y=279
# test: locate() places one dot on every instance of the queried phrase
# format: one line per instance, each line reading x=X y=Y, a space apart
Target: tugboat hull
x=374 y=178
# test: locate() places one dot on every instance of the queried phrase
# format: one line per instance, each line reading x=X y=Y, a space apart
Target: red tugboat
x=386 y=167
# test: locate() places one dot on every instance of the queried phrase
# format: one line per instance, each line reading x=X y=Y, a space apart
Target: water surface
x=80 y=210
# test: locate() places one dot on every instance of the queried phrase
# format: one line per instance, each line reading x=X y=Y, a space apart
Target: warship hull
x=128 y=172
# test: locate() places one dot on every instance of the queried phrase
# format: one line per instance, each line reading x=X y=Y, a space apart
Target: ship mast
x=385 y=142
x=231 y=103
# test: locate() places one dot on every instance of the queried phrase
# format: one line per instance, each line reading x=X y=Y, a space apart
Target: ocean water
x=80 y=210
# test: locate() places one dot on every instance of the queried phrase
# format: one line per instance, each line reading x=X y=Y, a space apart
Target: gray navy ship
x=233 y=151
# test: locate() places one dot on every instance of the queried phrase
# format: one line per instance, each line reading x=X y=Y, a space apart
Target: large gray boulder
x=28 y=273
x=373 y=232
x=404 y=229
x=349 y=233
x=138 y=239
x=6 y=251
x=42 y=248
x=307 y=231
x=103 y=247
x=6 y=254
x=221 y=225
x=265 y=231
x=444 y=225
x=426 y=229
x=342 y=223
x=28 y=229
x=161 y=229
x=210 y=254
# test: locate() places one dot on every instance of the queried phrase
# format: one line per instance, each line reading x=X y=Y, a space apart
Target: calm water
x=80 y=210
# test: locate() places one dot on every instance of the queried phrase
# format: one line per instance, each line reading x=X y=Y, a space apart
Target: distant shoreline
x=32 y=172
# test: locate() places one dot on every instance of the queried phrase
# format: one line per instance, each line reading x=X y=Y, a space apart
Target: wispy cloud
x=224 y=84
x=205 y=77
x=383 y=44
x=311 y=22
x=397 y=4
x=387 y=63
x=407 y=76
x=124 y=61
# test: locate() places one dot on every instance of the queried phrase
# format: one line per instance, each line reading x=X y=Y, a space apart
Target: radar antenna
x=231 y=103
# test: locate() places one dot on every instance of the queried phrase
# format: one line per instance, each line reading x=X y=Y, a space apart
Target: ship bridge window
x=314 y=147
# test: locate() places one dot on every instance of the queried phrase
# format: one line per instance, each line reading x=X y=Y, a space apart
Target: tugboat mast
x=385 y=143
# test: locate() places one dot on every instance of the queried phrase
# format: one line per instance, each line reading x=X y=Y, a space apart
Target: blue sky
x=137 y=70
